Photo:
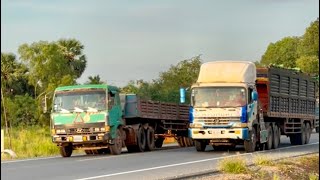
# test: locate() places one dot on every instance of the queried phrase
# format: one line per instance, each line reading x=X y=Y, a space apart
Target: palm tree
x=94 y=80
x=73 y=52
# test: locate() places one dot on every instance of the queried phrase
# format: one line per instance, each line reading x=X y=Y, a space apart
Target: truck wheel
x=300 y=138
x=308 y=133
x=200 y=145
x=250 y=146
x=66 y=151
x=191 y=142
x=141 y=140
x=276 y=137
x=159 y=142
x=150 y=139
x=181 y=141
x=187 y=141
x=270 y=137
x=116 y=148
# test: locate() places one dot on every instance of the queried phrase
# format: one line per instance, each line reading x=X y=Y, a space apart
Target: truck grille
x=209 y=121
x=78 y=130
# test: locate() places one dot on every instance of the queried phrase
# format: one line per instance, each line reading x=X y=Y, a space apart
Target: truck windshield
x=80 y=100
x=218 y=97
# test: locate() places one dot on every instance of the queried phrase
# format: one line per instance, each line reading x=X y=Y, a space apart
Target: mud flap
x=263 y=136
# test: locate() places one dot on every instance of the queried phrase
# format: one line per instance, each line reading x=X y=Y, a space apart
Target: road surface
x=166 y=163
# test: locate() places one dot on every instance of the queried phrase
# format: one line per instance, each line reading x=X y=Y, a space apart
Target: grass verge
x=303 y=168
x=30 y=142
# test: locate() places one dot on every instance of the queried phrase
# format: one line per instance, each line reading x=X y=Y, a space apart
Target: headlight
x=196 y=125
x=60 y=131
x=238 y=124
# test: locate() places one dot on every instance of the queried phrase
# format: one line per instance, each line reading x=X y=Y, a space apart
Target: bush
x=233 y=165
x=263 y=161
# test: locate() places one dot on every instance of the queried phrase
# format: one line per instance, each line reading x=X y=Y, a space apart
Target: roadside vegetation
x=303 y=168
x=30 y=142
x=35 y=141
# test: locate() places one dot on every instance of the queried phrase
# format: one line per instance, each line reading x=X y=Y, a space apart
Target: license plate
x=77 y=138
x=215 y=132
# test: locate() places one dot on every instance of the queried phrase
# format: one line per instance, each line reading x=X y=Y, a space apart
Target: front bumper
x=81 y=138
x=219 y=133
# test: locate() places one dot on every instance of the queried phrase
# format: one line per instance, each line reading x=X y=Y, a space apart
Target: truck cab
x=86 y=117
x=224 y=107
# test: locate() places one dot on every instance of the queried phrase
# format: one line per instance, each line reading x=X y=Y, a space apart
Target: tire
x=66 y=151
x=250 y=146
x=116 y=148
x=317 y=129
x=186 y=141
x=159 y=142
x=308 y=133
x=150 y=144
x=269 y=142
x=300 y=138
x=191 y=141
x=180 y=141
x=141 y=140
x=276 y=137
x=200 y=145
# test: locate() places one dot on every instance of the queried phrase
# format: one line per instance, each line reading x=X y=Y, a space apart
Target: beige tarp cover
x=227 y=71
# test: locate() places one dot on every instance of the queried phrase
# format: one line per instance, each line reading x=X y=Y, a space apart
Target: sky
x=130 y=40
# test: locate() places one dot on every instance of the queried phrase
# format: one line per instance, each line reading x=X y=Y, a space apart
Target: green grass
x=233 y=165
x=262 y=161
x=30 y=142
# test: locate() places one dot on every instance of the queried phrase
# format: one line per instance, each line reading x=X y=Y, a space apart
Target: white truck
x=225 y=109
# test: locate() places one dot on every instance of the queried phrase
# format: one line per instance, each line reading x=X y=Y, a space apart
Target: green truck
x=98 y=119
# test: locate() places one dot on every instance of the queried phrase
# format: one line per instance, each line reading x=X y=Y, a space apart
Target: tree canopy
x=301 y=52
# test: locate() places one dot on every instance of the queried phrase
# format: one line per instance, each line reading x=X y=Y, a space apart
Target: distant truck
x=98 y=119
x=235 y=103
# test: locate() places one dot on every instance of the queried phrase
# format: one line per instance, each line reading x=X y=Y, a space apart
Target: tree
x=53 y=63
x=309 y=44
x=94 y=80
x=282 y=52
x=309 y=64
x=308 y=50
x=73 y=52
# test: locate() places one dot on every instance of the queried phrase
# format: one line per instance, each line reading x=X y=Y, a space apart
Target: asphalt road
x=168 y=162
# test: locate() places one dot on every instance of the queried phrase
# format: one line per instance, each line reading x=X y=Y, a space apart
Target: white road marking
x=185 y=163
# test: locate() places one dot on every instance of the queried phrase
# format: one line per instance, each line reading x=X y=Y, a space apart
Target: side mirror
x=254 y=96
x=182 y=95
